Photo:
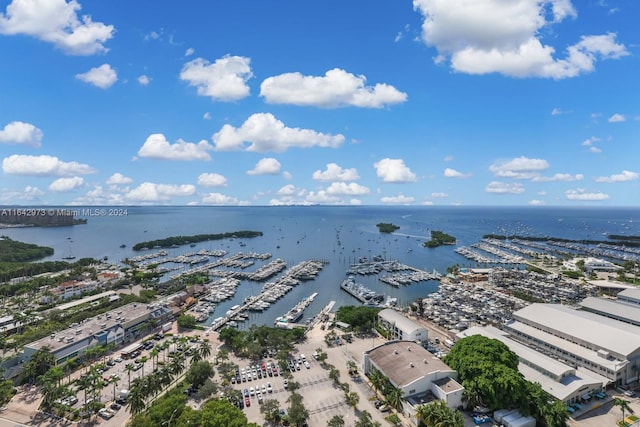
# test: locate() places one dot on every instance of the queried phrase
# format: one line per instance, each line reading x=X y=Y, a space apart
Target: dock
x=360 y=292
x=293 y=315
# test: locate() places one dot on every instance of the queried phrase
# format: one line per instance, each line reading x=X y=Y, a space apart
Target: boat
x=123 y=245
x=296 y=312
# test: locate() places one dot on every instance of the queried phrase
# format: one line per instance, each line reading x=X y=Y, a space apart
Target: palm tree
x=394 y=397
x=352 y=398
x=378 y=380
x=143 y=360
x=352 y=368
x=136 y=401
x=623 y=404
x=204 y=349
x=114 y=380
x=336 y=421
x=129 y=368
x=154 y=356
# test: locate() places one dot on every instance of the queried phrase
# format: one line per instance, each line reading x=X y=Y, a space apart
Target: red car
x=247 y=401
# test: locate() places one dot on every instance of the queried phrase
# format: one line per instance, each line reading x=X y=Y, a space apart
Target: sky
x=385 y=102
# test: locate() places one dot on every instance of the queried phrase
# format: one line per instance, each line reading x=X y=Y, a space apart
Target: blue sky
x=430 y=102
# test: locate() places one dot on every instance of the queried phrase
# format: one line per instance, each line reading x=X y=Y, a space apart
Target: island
x=438 y=238
x=14 y=251
x=175 y=241
x=387 y=227
x=37 y=217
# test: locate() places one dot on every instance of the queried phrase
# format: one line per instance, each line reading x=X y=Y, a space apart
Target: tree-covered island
x=387 y=227
x=169 y=242
x=14 y=251
x=438 y=238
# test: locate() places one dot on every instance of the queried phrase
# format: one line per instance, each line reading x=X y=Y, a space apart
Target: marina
x=295 y=314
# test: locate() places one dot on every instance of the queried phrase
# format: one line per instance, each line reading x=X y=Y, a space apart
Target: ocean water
x=339 y=235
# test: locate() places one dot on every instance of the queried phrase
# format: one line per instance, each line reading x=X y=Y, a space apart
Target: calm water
x=340 y=235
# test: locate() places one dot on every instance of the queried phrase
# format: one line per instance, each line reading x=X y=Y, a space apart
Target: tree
x=336 y=421
x=365 y=420
x=199 y=372
x=438 y=414
x=623 y=405
x=352 y=398
x=378 y=380
x=394 y=397
x=271 y=410
x=187 y=321
x=298 y=414
x=129 y=368
x=136 y=401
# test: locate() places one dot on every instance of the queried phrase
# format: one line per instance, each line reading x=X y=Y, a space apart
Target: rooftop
x=626 y=312
x=598 y=331
x=405 y=361
x=448 y=385
x=630 y=294
x=401 y=322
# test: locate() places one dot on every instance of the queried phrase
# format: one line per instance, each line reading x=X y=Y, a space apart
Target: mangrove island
x=175 y=241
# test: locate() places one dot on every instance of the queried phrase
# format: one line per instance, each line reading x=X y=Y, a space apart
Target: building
x=562 y=381
x=117 y=327
x=401 y=328
x=621 y=310
x=591 y=265
x=607 y=347
x=415 y=371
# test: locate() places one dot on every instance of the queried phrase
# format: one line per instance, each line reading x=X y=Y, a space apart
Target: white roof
x=630 y=294
x=399 y=320
x=598 y=331
x=617 y=309
x=610 y=284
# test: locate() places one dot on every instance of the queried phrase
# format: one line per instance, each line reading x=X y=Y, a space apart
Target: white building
x=607 y=347
x=415 y=371
x=591 y=265
x=562 y=381
x=400 y=327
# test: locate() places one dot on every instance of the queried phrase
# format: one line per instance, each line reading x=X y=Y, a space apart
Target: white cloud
x=266 y=166
x=558 y=112
x=559 y=177
x=337 y=88
x=103 y=76
x=152 y=192
x=206 y=115
x=157 y=147
x=400 y=199
x=64 y=185
x=190 y=51
x=224 y=80
x=497 y=187
x=590 y=141
x=287 y=175
x=619 y=177
x=322 y=197
x=21 y=133
x=290 y=190
x=144 y=80
x=44 y=165
x=29 y=194
x=119 y=179
x=452 y=173
x=439 y=195
x=56 y=22
x=519 y=168
x=344 y=189
x=581 y=194
x=221 y=199
x=394 y=170
x=617 y=118
x=494 y=36
x=448 y=158
x=212 y=180
x=536 y=202
x=263 y=132
x=595 y=150
x=334 y=172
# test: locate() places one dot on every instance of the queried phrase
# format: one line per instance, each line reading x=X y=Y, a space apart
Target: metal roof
x=625 y=312
x=399 y=320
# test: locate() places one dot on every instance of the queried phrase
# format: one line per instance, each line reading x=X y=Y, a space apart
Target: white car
x=307 y=365
x=252 y=391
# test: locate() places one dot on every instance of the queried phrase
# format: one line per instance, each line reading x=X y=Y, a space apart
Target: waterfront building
x=418 y=373
x=622 y=309
x=608 y=347
x=401 y=327
x=117 y=327
x=566 y=383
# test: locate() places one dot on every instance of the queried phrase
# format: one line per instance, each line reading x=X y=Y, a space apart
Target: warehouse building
x=401 y=328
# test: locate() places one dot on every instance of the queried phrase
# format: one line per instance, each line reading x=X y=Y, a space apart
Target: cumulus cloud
x=581 y=194
x=452 y=173
x=21 y=133
x=221 y=199
x=559 y=177
x=224 y=80
x=144 y=80
x=266 y=166
x=400 y=199
x=44 y=165
x=157 y=147
x=119 y=179
x=494 y=36
x=322 y=197
x=263 y=132
x=344 y=189
x=29 y=194
x=152 y=192
x=103 y=76
x=337 y=88
x=394 y=170
x=212 y=180
x=334 y=172
x=519 y=168
x=619 y=177
x=64 y=185
x=56 y=22
x=290 y=190
x=498 y=187
x=617 y=118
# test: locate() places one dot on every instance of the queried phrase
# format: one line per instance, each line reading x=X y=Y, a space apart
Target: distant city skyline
x=430 y=102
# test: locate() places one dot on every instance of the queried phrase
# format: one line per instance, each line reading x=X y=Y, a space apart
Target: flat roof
x=631 y=294
x=599 y=331
x=401 y=321
x=120 y=316
x=610 y=284
x=569 y=386
x=405 y=361
x=619 y=309
x=448 y=385
x=66 y=306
